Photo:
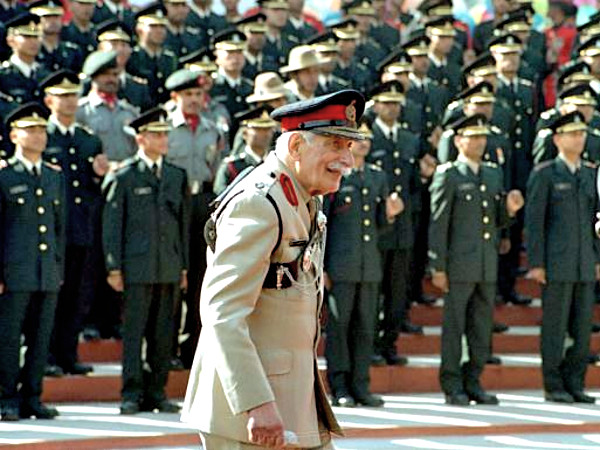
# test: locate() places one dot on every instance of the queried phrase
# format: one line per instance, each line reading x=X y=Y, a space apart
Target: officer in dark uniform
x=441 y=32
x=145 y=236
x=20 y=75
x=150 y=59
x=564 y=257
x=383 y=33
x=182 y=38
x=578 y=98
x=202 y=18
x=395 y=151
x=230 y=87
x=279 y=43
x=55 y=54
x=296 y=25
x=255 y=29
x=11 y=9
x=357 y=213
x=81 y=31
x=258 y=130
x=114 y=10
x=33 y=245
x=348 y=67
x=468 y=208
x=79 y=153
x=572 y=74
x=328 y=50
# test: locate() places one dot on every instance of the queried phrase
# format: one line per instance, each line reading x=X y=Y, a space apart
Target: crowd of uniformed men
x=142 y=117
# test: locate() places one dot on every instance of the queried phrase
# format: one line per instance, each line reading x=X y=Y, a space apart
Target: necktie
x=35 y=171
x=155 y=170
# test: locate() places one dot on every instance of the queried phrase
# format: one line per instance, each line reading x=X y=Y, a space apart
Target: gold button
x=396 y=154
x=366 y=238
x=43 y=229
x=77 y=200
x=484 y=203
x=75 y=183
x=54 y=160
x=428 y=109
x=348 y=199
x=517 y=102
x=518 y=131
x=41 y=210
x=366 y=222
x=486 y=236
x=365 y=191
x=72 y=151
x=21 y=201
x=518 y=117
x=39 y=192
x=43 y=247
x=366 y=208
x=468 y=197
x=486 y=219
x=73 y=166
x=91 y=159
x=483 y=188
x=397 y=171
x=518 y=144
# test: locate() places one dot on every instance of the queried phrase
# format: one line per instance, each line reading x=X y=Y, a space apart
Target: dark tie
x=35 y=171
x=155 y=170
x=33 y=74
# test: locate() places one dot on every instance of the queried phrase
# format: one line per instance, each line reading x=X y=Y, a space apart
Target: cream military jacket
x=259 y=345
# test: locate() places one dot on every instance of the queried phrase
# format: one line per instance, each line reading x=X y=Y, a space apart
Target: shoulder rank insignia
x=288 y=189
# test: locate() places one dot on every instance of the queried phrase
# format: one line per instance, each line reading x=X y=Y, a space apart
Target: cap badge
x=351 y=112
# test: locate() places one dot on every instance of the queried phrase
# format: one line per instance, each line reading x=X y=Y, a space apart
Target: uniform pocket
x=276 y=362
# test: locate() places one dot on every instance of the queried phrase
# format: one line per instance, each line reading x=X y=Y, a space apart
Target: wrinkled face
x=177 y=12
x=307 y=79
x=276 y=17
x=107 y=81
x=259 y=139
x=28 y=46
x=571 y=143
x=189 y=100
x=51 y=24
x=152 y=34
x=30 y=139
x=122 y=48
x=83 y=12
x=320 y=161
x=65 y=105
x=388 y=111
x=472 y=147
x=154 y=144
x=507 y=62
x=232 y=61
x=487 y=109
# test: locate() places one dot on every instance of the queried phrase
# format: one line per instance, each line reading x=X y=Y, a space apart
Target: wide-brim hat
x=268 y=86
x=303 y=57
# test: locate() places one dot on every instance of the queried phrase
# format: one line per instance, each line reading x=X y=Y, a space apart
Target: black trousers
x=197 y=257
x=419 y=260
x=351 y=321
x=396 y=270
x=566 y=308
x=508 y=264
x=468 y=309
x=32 y=314
x=148 y=313
x=73 y=305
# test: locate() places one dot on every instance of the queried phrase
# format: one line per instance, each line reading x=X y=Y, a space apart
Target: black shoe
x=596 y=328
x=343 y=401
x=396 y=360
x=130 y=407
x=581 y=397
x=91 y=334
x=164 y=406
x=9 y=414
x=499 y=327
x=370 y=400
x=518 y=300
x=378 y=361
x=494 y=360
x=558 y=397
x=54 y=371
x=411 y=328
x=38 y=411
x=176 y=364
x=78 y=369
x=593 y=359
x=483 y=398
x=458 y=399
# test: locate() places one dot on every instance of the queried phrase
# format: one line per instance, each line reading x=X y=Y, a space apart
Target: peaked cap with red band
x=335 y=114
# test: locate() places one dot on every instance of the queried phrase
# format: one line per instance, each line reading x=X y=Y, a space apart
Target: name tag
x=143 y=190
x=378 y=154
x=466 y=186
x=347 y=189
x=563 y=186
x=220 y=98
x=52 y=150
x=19 y=189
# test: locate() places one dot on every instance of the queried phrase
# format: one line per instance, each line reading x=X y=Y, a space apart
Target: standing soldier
x=564 y=257
x=255 y=29
x=279 y=43
x=202 y=18
x=349 y=68
x=328 y=51
x=355 y=215
x=79 y=154
x=145 y=239
x=303 y=71
x=32 y=231
x=441 y=33
x=468 y=208
x=81 y=31
x=194 y=146
x=181 y=38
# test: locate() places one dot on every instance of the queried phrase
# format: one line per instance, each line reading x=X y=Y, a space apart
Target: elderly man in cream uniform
x=255 y=383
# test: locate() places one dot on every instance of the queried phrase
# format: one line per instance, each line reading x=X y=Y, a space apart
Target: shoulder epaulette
x=52 y=166
x=361 y=66
x=525 y=82
x=341 y=81
x=490 y=164
x=192 y=30
x=588 y=164
x=453 y=105
x=248 y=82
x=6 y=97
x=83 y=127
x=544 y=132
x=543 y=165
x=83 y=100
x=374 y=43
x=170 y=53
x=494 y=129
x=594 y=131
x=292 y=38
x=374 y=167
x=448 y=132
x=70 y=45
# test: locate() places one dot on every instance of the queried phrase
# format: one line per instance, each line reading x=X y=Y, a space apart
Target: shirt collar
x=474 y=166
x=232 y=83
x=387 y=130
x=28 y=164
x=202 y=13
x=572 y=167
x=112 y=7
x=296 y=23
x=148 y=161
x=63 y=130
x=25 y=68
x=252 y=154
x=252 y=59
x=437 y=62
x=95 y=99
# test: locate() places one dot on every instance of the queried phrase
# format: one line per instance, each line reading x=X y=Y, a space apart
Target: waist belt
x=276 y=277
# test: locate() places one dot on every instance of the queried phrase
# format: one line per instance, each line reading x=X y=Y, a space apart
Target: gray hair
x=281 y=145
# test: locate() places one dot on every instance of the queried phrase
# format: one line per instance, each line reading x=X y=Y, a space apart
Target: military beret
x=475 y=125
x=202 y=60
x=335 y=114
x=398 y=61
x=484 y=64
x=61 y=82
x=388 y=92
x=153 y=120
x=325 y=42
x=258 y=117
x=113 y=30
x=98 y=62
x=153 y=14
x=417 y=46
x=575 y=72
x=274 y=4
x=590 y=47
x=580 y=94
x=30 y=114
x=182 y=79
x=359 y=8
x=506 y=43
x=44 y=8
x=480 y=93
x=230 y=39
x=442 y=27
x=252 y=24
x=25 y=24
x=573 y=121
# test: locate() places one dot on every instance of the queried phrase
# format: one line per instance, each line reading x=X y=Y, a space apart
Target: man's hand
x=434 y=137
x=183 y=281
x=538 y=274
x=427 y=165
x=265 y=426
x=514 y=202
x=440 y=281
x=100 y=165
x=393 y=205
x=504 y=246
x=115 y=280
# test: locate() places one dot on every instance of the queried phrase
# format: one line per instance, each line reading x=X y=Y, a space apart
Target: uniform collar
x=27 y=163
x=474 y=166
x=148 y=161
x=387 y=130
x=63 y=130
x=23 y=67
x=252 y=59
x=234 y=83
x=252 y=154
x=202 y=13
x=296 y=23
x=573 y=168
x=438 y=62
